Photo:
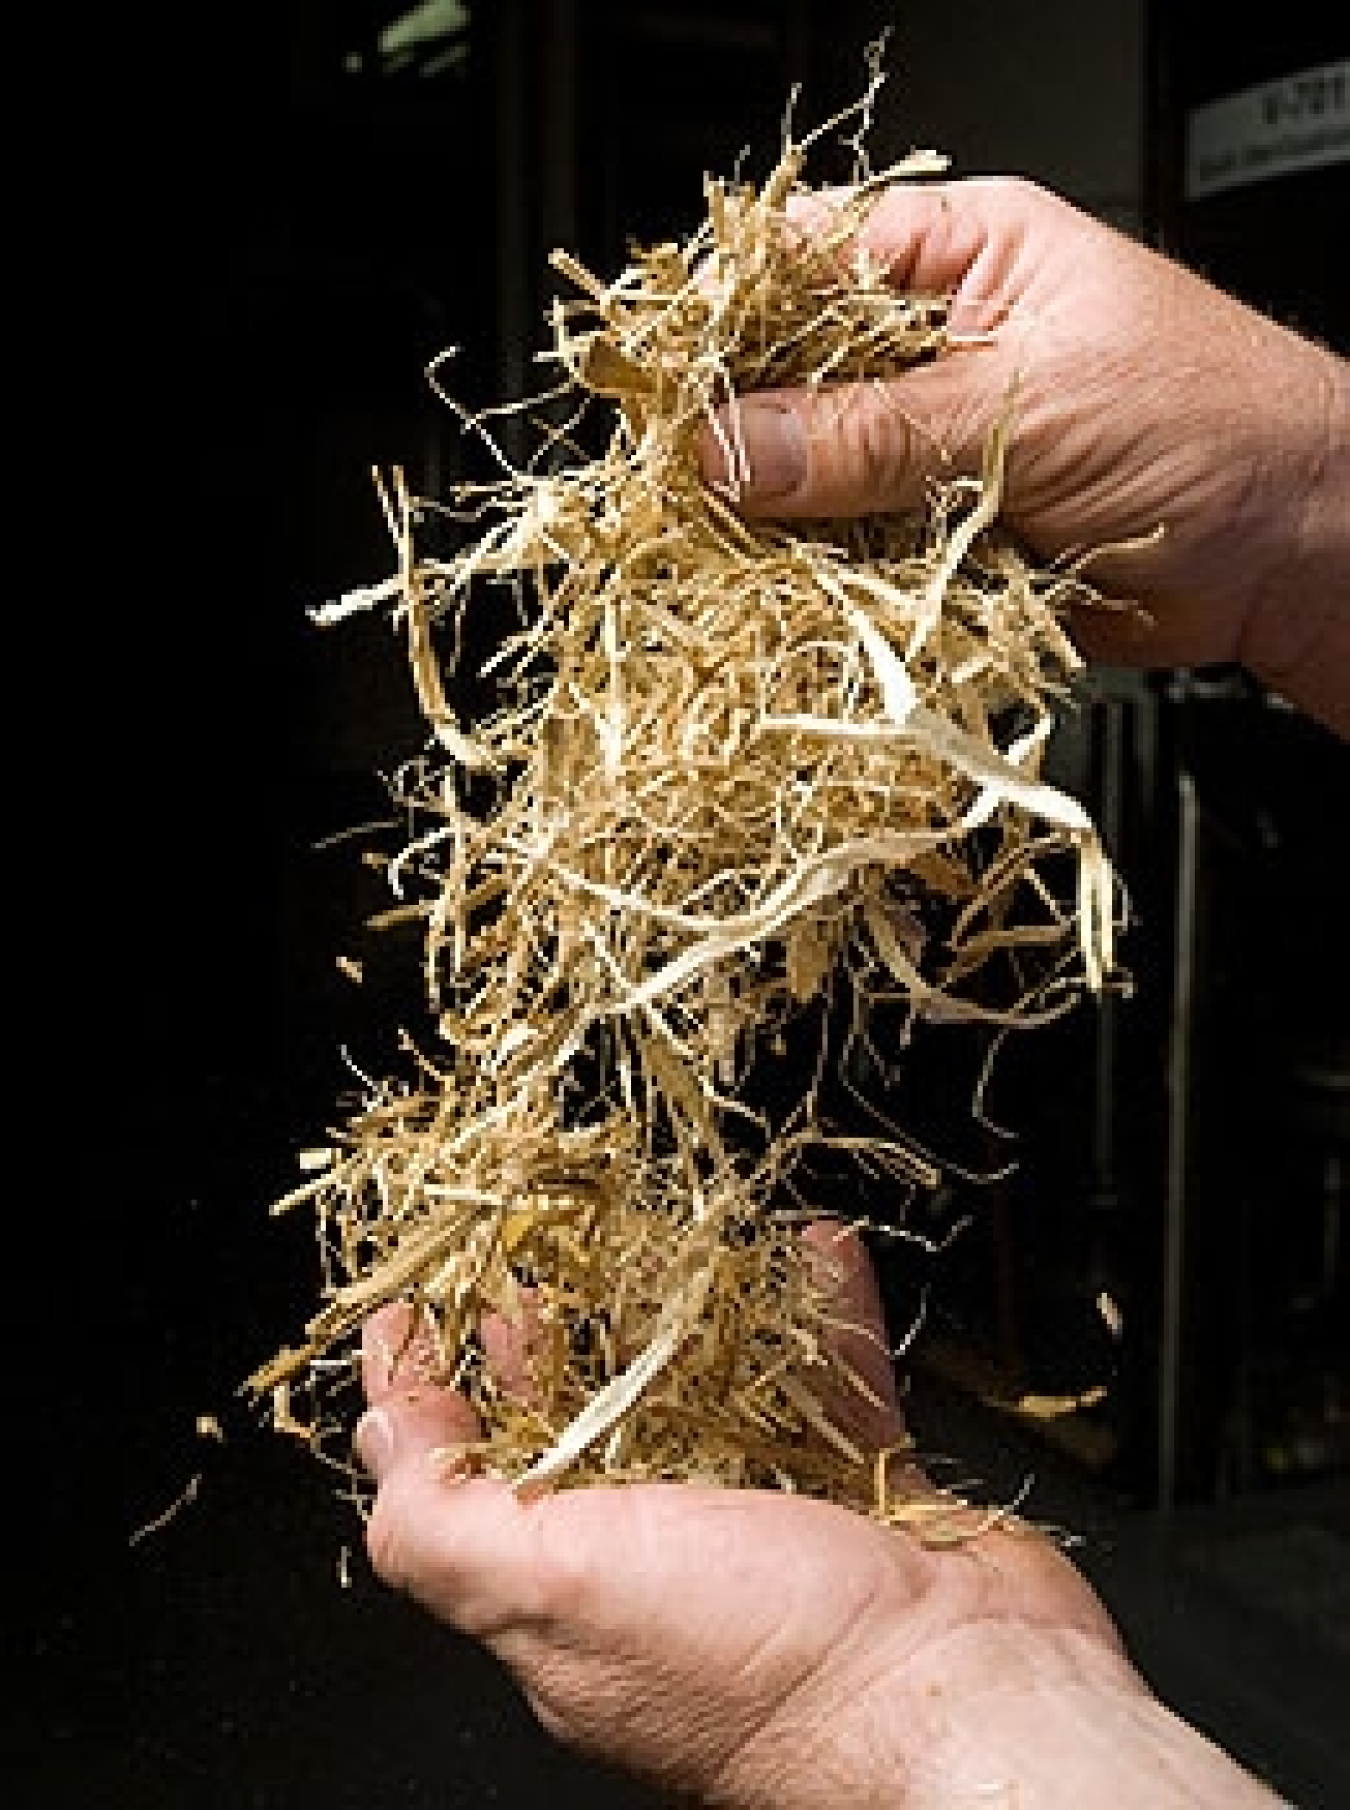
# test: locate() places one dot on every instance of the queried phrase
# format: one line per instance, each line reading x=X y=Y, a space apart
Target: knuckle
x=874 y=449
x=1003 y=192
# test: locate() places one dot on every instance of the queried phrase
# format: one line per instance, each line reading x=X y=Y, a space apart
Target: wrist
x=852 y=1733
x=1072 y=1726
x=1297 y=638
x=851 y=1757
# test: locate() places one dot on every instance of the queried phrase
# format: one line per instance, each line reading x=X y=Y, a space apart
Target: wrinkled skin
x=1144 y=398
x=752 y=1648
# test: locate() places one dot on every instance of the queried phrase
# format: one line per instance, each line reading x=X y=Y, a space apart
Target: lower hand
x=756 y=1648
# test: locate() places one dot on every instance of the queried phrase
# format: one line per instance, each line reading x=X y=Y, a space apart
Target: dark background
x=274 y=226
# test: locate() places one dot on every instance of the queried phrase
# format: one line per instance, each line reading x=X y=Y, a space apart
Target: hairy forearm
x=1081 y=1745
x=1051 y=1735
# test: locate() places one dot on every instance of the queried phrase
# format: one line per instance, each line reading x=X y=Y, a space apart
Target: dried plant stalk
x=729 y=758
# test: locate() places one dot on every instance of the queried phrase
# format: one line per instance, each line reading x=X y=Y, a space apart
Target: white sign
x=1299 y=122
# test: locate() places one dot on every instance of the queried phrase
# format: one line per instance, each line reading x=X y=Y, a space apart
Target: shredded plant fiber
x=732 y=764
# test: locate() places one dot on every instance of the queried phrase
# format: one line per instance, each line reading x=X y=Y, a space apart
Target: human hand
x=755 y=1648
x=1143 y=398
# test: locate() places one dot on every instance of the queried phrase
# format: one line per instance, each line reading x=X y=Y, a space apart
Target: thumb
x=410 y=1415
x=862 y=448
x=413 y=1425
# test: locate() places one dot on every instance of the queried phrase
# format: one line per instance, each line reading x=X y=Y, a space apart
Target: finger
x=953 y=239
x=510 y=1345
x=844 y=1273
x=409 y=1416
x=422 y=1426
x=930 y=239
x=396 y=1351
x=863 y=448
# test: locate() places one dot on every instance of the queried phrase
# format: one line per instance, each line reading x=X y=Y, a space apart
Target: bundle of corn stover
x=730 y=763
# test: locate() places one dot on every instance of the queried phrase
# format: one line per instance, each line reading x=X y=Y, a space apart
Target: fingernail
x=775 y=449
x=374 y=1440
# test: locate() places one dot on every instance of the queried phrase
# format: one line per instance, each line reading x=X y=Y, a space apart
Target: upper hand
x=1142 y=398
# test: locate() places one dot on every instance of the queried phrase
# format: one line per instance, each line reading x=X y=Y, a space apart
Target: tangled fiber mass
x=729 y=762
